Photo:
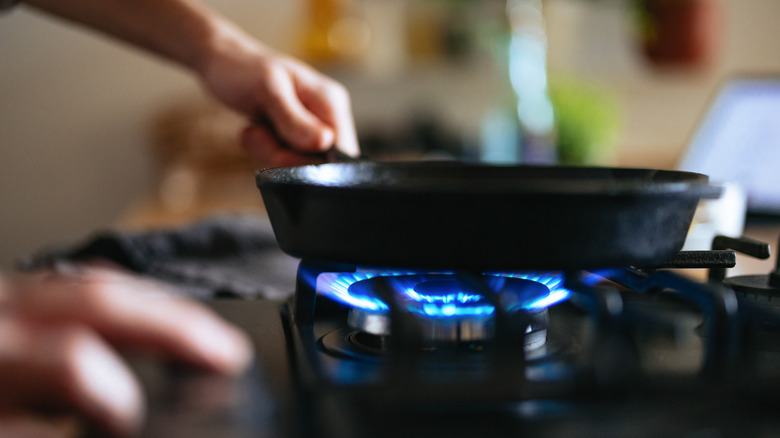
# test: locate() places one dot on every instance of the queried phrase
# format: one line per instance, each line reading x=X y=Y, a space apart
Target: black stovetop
x=641 y=352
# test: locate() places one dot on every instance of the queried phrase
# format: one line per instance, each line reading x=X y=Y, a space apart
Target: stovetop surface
x=649 y=384
x=268 y=401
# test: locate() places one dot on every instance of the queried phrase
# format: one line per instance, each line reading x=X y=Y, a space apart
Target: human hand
x=304 y=112
x=57 y=337
x=308 y=111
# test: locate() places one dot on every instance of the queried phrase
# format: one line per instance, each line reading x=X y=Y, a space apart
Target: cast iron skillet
x=449 y=215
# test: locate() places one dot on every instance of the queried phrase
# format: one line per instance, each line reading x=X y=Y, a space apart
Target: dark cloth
x=224 y=256
x=8 y=4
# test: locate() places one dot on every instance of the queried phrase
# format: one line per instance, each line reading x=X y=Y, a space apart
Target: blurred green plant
x=587 y=121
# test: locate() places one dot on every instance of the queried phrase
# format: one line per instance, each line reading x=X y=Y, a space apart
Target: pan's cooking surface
x=460 y=216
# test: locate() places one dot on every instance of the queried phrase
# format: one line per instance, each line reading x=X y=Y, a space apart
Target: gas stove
x=375 y=352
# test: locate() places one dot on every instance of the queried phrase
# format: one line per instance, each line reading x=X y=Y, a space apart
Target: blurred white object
x=739 y=140
x=724 y=216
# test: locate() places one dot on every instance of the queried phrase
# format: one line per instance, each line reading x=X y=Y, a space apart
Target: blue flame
x=454 y=303
x=336 y=285
x=449 y=300
x=553 y=281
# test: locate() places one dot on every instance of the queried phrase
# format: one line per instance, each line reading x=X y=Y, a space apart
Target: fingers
x=263 y=148
x=68 y=368
x=330 y=102
x=311 y=112
x=57 y=332
x=295 y=124
x=131 y=313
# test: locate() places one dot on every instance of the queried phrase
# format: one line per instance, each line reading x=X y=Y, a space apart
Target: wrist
x=222 y=41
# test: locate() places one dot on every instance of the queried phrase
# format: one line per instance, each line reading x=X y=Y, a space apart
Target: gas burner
x=449 y=309
x=361 y=340
x=760 y=288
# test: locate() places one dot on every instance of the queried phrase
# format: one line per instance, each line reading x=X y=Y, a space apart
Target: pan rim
x=341 y=177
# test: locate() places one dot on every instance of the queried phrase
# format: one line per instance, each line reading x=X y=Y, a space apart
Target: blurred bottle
x=334 y=33
x=528 y=76
x=521 y=127
x=680 y=33
x=441 y=30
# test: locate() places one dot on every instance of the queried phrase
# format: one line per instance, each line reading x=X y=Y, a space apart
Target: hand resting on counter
x=59 y=335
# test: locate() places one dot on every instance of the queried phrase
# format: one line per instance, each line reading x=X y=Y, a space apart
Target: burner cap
x=447 y=308
x=455 y=330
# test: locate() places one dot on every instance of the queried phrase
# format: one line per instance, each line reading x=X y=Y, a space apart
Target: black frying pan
x=460 y=216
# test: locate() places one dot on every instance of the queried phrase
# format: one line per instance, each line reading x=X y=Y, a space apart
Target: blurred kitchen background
x=94 y=133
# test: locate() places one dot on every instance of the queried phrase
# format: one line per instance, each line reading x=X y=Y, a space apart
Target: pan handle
x=335 y=155
x=332 y=155
x=711 y=191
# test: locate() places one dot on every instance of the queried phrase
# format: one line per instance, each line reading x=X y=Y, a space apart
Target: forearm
x=183 y=31
x=308 y=111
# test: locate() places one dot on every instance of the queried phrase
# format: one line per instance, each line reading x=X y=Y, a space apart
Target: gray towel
x=233 y=256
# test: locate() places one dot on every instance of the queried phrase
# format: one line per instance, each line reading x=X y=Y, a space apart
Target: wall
x=74 y=109
x=660 y=107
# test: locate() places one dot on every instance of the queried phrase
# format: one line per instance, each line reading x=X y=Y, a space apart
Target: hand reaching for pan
x=307 y=112
x=59 y=367
x=302 y=114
